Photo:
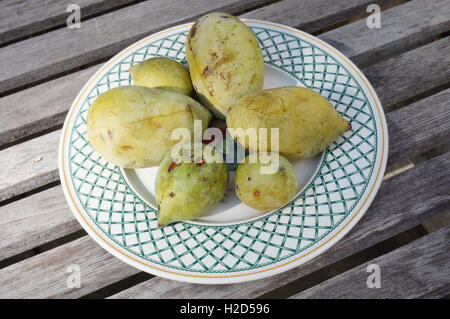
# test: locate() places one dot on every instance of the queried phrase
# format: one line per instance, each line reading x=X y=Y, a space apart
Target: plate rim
x=237 y=276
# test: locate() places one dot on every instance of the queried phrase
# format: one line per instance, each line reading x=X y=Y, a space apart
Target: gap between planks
x=23 y=19
x=345 y=264
x=420 y=269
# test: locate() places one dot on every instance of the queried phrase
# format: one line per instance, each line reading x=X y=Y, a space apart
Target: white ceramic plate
x=232 y=243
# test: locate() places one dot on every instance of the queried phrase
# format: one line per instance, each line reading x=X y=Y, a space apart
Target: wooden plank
x=407 y=81
x=412 y=129
x=46 y=275
x=29 y=165
x=34 y=110
x=65 y=49
x=402 y=203
x=40 y=111
x=312 y=15
x=437 y=222
x=416 y=270
x=402 y=28
x=33 y=221
x=412 y=74
x=20 y=18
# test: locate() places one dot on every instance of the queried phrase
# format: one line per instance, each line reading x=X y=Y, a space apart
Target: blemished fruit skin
x=307 y=122
x=225 y=61
x=131 y=126
x=186 y=191
x=162 y=73
x=265 y=192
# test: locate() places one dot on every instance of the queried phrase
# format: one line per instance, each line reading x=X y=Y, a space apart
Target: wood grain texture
x=403 y=27
x=412 y=129
x=412 y=74
x=46 y=275
x=40 y=107
x=20 y=18
x=29 y=165
x=417 y=270
x=65 y=49
x=312 y=15
x=33 y=221
x=40 y=111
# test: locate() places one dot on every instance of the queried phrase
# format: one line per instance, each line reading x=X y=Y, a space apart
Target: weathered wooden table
x=43 y=65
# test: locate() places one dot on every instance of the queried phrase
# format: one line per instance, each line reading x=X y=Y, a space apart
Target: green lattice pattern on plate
x=320 y=208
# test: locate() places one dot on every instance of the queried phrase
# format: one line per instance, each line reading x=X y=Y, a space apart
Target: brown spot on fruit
x=207 y=71
x=256 y=193
x=172 y=166
x=126 y=147
x=211 y=68
x=172 y=194
x=110 y=134
x=193 y=30
x=249 y=178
